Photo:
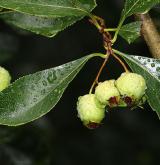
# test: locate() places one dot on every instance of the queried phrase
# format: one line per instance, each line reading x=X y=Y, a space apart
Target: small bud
x=131 y=86
x=5 y=78
x=107 y=93
x=90 y=111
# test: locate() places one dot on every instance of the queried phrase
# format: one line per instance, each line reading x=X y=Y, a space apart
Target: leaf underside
x=48 y=27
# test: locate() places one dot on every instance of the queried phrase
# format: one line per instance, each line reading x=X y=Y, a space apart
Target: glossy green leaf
x=130 y=32
x=138 y=6
x=35 y=16
x=133 y=7
x=32 y=96
x=48 y=27
x=149 y=68
x=50 y=8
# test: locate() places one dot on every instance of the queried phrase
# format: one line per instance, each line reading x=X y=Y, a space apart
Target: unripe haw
x=90 y=111
x=5 y=78
x=107 y=93
x=132 y=87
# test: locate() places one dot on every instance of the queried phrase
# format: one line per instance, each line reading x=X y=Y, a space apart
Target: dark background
x=59 y=138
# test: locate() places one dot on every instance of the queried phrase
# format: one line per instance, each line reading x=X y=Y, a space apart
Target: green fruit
x=107 y=93
x=90 y=110
x=131 y=86
x=5 y=78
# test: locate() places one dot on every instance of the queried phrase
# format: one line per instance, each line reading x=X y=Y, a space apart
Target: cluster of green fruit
x=127 y=91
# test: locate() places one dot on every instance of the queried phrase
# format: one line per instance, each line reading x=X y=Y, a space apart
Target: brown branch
x=150 y=34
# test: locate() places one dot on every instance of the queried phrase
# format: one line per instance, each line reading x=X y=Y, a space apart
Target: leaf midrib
x=54 y=6
x=129 y=31
x=131 y=8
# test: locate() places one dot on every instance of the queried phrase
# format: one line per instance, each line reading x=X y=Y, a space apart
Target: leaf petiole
x=118 y=29
x=110 y=29
x=118 y=52
x=94 y=20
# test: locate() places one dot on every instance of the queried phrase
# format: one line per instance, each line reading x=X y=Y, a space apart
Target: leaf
x=32 y=96
x=138 y=6
x=48 y=27
x=130 y=32
x=50 y=8
x=133 y=7
x=149 y=68
x=41 y=20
